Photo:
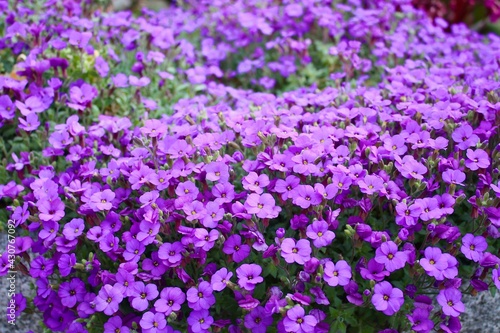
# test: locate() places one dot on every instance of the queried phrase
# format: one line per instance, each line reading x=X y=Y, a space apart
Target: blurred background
x=481 y=15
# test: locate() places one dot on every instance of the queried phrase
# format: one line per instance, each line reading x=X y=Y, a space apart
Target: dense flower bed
x=246 y=166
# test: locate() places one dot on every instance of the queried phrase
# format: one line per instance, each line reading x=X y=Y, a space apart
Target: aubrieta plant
x=248 y=166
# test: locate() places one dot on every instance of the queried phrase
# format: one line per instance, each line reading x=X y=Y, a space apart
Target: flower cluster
x=244 y=166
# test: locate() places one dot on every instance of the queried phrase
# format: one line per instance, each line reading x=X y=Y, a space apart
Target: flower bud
x=311 y=265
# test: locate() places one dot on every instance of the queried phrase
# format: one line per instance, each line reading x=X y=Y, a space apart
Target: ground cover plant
x=248 y=166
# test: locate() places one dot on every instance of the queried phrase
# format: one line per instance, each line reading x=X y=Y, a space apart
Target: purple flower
x=299 y=252
x=73 y=229
x=495 y=277
x=153 y=323
x=108 y=299
x=133 y=250
x=258 y=320
x=477 y=159
x=171 y=253
x=434 y=262
x=249 y=276
x=142 y=294
x=71 y=292
x=263 y=205
x=30 y=124
x=41 y=267
x=319 y=233
x=220 y=279
x=420 y=320
x=371 y=184
x=255 y=183
x=305 y=196
x=51 y=210
x=101 y=66
x=473 y=247
x=223 y=192
x=388 y=255
x=171 y=299
x=115 y=324
x=234 y=246
x=386 y=298
x=102 y=200
x=205 y=239
x=464 y=137
x=217 y=171
x=200 y=321
x=7 y=109
x=451 y=301
x=296 y=320
x=337 y=274
x=201 y=297
x=286 y=187
x=66 y=263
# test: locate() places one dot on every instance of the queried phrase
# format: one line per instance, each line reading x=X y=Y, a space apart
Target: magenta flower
x=299 y=252
x=388 y=255
x=337 y=274
x=473 y=247
x=296 y=320
x=386 y=298
x=451 y=301
x=108 y=299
